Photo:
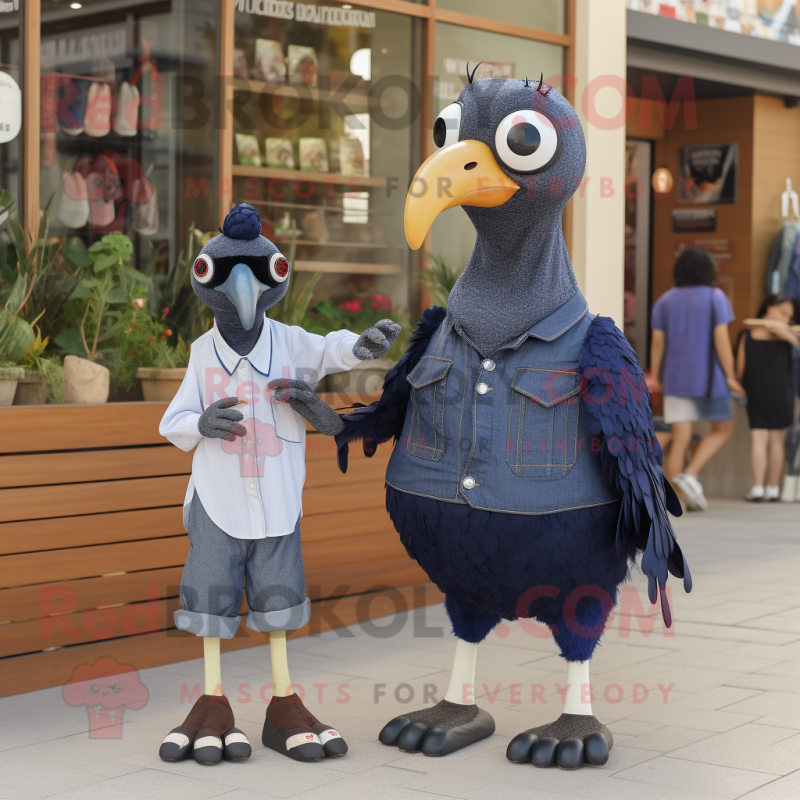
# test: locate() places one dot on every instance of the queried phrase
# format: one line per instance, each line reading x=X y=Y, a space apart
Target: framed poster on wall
x=709 y=173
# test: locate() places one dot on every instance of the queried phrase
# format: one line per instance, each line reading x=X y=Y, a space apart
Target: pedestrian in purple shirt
x=692 y=358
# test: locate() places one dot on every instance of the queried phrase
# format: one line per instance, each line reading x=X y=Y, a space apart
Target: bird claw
x=564 y=743
x=445 y=731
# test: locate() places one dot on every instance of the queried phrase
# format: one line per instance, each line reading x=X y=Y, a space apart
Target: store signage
x=7 y=8
x=308 y=12
x=101 y=43
x=694 y=220
x=10 y=108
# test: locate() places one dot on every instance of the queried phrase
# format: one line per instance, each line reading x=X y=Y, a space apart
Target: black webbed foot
x=439 y=730
x=570 y=742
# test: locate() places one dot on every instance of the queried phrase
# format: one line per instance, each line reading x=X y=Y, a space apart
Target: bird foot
x=207 y=734
x=438 y=730
x=570 y=742
x=292 y=730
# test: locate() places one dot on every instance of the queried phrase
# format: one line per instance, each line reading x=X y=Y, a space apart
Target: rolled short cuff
x=206 y=624
x=288 y=619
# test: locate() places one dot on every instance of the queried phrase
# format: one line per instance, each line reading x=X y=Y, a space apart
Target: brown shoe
x=207 y=733
x=291 y=729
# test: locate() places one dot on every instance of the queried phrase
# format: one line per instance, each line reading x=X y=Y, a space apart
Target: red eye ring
x=203 y=268
x=278 y=268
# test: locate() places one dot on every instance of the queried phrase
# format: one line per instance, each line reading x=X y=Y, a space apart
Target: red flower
x=351 y=306
x=167 y=333
x=150 y=340
x=381 y=302
x=165 y=311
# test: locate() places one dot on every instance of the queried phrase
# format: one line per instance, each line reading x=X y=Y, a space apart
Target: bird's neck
x=512 y=281
x=235 y=336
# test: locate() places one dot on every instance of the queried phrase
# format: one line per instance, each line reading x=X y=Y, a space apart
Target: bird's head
x=512 y=152
x=240 y=273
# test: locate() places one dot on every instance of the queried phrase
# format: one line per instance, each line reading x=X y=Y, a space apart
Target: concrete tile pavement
x=710 y=709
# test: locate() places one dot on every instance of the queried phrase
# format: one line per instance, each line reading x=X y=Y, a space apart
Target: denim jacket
x=503 y=432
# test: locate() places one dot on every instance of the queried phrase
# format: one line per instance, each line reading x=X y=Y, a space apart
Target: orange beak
x=463 y=174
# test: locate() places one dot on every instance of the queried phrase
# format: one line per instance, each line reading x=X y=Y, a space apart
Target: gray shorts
x=218 y=569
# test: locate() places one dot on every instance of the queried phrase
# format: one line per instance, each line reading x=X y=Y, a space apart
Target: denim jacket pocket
x=543 y=422
x=428 y=380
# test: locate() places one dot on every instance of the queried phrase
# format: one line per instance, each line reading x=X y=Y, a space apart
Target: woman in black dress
x=764 y=364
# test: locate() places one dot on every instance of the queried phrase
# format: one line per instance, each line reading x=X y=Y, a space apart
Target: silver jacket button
x=482 y=388
x=489 y=365
x=468 y=482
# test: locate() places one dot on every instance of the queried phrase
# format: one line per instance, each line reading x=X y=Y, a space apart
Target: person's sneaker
x=690 y=490
x=755 y=495
x=772 y=494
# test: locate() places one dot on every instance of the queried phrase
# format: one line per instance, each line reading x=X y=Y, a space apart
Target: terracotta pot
x=365 y=378
x=30 y=391
x=84 y=381
x=9 y=378
x=160 y=384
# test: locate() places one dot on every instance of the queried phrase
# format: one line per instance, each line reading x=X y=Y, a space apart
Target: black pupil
x=524 y=139
x=439 y=132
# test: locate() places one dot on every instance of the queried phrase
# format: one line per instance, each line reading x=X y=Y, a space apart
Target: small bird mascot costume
x=526 y=477
x=243 y=503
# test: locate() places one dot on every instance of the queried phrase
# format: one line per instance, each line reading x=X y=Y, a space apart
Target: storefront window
x=503 y=57
x=127 y=119
x=326 y=109
x=10 y=102
x=546 y=15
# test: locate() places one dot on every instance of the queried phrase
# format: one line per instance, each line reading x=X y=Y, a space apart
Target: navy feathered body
x=564 y=568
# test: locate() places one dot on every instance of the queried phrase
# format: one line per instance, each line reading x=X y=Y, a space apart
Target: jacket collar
x=547 y=329
x=260 y=357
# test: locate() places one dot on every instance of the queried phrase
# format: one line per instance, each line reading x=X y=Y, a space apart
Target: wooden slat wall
x=92 y=544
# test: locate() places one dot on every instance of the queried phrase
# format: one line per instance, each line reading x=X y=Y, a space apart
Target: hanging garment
x=73 y=204
x=72 y=106
x=97 y=119
x=101 y=208
x=127 y=110
x=780 y=255
x=145 y=206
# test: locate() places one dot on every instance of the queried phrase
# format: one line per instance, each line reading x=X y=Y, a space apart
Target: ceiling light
x=348 y=6
x=76 y=5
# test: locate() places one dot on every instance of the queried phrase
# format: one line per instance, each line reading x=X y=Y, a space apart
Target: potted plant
x=145 y=351
x=104 y=288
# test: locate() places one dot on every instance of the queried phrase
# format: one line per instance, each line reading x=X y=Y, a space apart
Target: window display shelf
x=354 y=182
x=363 y=245
x=333 y=209
x=348 y=268
x=351 y=99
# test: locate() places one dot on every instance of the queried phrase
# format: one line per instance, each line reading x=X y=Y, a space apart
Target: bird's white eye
x=203 y=268
x=278 y=268
x=447 y=125
x=527 y=141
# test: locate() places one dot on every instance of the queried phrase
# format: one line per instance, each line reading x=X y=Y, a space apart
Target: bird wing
x=615 y=397
x=383 y=420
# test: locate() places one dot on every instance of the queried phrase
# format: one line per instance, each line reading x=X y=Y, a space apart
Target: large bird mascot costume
x=243 y=503
x=526 y=477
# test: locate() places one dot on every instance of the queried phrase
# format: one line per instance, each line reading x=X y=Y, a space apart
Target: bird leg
x=576 y=738
x=450 y=725
x=208 y=733
x=290 y=728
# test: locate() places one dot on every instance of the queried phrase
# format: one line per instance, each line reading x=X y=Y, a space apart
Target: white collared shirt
x=252 y=488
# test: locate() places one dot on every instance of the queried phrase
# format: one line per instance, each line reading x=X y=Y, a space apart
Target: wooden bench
x=92 y=543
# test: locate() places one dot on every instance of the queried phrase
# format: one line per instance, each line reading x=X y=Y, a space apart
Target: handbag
x=73 y=204
x=127 y=110
x=145 y=205
x=97 y=119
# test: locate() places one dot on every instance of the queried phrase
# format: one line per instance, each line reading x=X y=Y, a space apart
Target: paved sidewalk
x=711 y=711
